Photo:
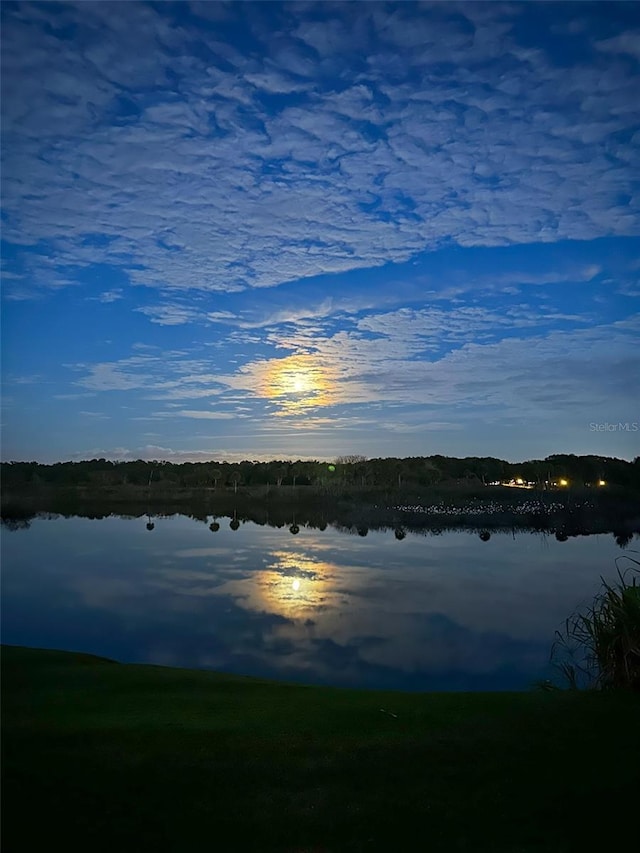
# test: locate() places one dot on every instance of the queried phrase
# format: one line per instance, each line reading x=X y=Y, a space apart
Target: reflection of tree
x=312 y=509
x=234 y=524
x=623 y=539
x=363 y=530
x=214 y=526
x=399 y=533
x=484 y=535
x=561 y=536
x=16 y=523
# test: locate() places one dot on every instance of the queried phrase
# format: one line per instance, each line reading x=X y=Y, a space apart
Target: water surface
x=429 y=612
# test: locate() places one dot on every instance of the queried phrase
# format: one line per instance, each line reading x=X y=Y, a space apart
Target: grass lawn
x=105 y=756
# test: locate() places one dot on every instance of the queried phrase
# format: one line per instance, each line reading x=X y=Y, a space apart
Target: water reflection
x=293 y=584
x=435 y=612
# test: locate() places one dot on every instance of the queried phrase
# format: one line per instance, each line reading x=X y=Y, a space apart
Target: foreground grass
x=104 y=756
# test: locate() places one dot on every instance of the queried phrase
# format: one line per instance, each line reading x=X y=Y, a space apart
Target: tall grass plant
x=599 y=647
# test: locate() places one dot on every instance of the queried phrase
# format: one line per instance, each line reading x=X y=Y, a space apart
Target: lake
x=426 y=612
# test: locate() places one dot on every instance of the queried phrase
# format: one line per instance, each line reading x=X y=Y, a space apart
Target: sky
x=304 y=230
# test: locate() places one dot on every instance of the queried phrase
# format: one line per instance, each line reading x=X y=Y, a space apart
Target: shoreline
x=569 y=513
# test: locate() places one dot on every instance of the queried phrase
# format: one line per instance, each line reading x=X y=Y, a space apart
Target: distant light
x=564 y=482
x=296 y=585
x=519 y=481
x=602 y=482
x=332 y=467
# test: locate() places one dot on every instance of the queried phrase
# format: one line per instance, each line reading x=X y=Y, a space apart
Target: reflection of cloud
x=626 y=42
x=293 y=584
x=436 y=616
x=440 y=644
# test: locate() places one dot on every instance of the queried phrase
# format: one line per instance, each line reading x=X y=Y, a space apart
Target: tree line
x=346 y=472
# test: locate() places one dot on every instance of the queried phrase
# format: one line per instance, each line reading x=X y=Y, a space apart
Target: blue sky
x=256 y=230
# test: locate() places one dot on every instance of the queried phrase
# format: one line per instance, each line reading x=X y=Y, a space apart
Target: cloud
x=109 y=296
x=444 y=369
x=125 y=375
x=549 y=375
x=185 y=165
x=151 y=452
x=168 y=376
x=170 y=314
x=438 y=326
x=178 y=314
x=27 y=379
x=205 y=415
x=101 y=416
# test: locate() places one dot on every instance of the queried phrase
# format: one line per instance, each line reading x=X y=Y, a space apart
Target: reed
x=599 y=648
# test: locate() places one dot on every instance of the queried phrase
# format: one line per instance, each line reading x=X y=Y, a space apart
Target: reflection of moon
x=291 y=584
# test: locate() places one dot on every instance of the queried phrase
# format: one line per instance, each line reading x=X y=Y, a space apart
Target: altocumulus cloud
x=311 y=224
x=293 y=158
